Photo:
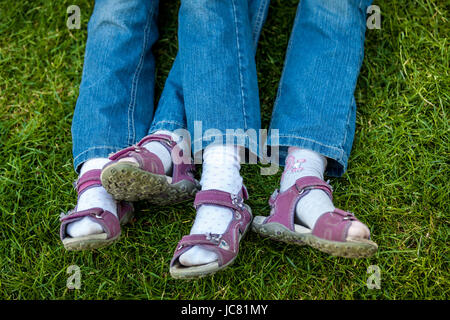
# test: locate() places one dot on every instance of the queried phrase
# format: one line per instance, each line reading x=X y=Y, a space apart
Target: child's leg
x=217 y=45
x=319 y=79
x=95 y=197
x=116 y=94
x=115 y=101
x=315 y=108
x=221 y=165
x=306 y=163
x=315 y=112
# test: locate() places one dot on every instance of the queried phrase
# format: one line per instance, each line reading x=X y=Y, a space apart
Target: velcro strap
x=90 y=178
x=121 y=153
x=216 y=197
x=196 y=239
x=164 y=139
x=311 y=182
x=221 y=198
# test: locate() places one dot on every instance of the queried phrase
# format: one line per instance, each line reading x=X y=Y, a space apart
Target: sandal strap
x=310 y=182
x=284 y=203
x=225 y=245
x=88 y=179
x=334 y=225
x=147 y=160
x=221 y=198
x=182 y=170
x=164 y=139
x=106 y=219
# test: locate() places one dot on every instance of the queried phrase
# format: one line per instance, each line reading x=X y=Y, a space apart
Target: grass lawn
x=397 y=180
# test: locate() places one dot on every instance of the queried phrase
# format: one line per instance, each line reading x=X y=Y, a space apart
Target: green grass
x=397 y=180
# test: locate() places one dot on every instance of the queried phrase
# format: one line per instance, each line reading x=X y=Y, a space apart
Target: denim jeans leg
x=219 y=81
x=170 y=114
x=315 y=107
x=115 y=105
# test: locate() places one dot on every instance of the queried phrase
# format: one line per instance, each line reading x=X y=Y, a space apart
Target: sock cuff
x=93 y=164
x=309 y=154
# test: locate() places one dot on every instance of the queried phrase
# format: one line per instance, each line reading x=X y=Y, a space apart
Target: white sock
x=92 y=198
x=221 y=165
x=301 y=163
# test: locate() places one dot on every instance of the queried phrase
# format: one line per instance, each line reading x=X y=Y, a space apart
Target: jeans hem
x=91 y=153
x=166 y=125
x=337 y=157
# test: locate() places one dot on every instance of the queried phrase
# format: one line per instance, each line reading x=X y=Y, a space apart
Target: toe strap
x=334 y=225
x=225 y=248
x=225 y=245
x=106 y=219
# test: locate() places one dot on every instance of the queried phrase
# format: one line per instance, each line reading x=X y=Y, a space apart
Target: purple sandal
x=225 y=245
x=146 y=180
x=109 y=222
x=330 y=230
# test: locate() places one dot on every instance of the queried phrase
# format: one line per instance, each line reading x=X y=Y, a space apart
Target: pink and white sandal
x=330 y=230
x=146 y=179
x=225 y=245
x=110 y=223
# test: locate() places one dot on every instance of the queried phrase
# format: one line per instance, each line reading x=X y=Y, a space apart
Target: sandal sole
x=88 y=242
x=94 y=241
x=348 y=249
x=127 y=182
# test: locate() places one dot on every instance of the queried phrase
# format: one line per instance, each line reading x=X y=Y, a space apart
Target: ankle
x=301 y=163
x=221 y=169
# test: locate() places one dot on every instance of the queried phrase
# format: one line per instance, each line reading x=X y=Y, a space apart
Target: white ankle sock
x=92 y=198
x=301 y=163
x=221 y=165
x=162 y=153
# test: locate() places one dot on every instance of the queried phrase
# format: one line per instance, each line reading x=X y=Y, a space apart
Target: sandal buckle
x=213 y=237
x=98 y=216
x=237 y=201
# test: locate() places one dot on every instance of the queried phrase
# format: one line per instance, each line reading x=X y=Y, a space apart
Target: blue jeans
x=212 y=86
x=115 y=106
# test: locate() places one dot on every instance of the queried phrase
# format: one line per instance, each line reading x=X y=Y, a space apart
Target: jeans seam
x=135 y=81
x=258 y=23
x=239 y=62
x=361 y=58
x=288 y=53
x=95 y=148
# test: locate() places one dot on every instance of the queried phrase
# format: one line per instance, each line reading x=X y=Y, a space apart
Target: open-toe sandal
x=145 y=179
x=109 y=222
x=225 y=245
x=330 y=230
